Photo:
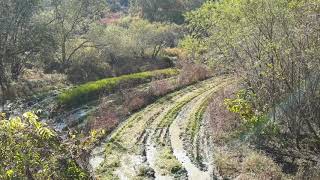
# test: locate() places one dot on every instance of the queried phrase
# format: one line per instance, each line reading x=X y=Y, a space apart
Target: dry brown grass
x=107 y=120
x=181 y=54
x=222 y=122
x=244 y=163
x=192 y=73
x=107 y=117
x=161 y=87
x=227 y=163
x=259 y=166
x=135 y=100
x=233 y=158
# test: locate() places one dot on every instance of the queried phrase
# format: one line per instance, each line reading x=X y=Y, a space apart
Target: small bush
x=29 y=148
x=192 y=73
x=89 y=69
x=259 y=166
x=137 y=99
x=161 y=87
x=227 y=163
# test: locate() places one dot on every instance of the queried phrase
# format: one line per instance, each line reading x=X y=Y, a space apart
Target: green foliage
x=194 y=47
x=74 y=172
x=135 y=37
x=70 y=25
x=253 y=122
x=92 y=90
x=273 y=45
x=242 y=104
x=193 y=127
x=89 y=64
x=29 y=149
x=164 y=10
x=21 y=36
x=200 y=21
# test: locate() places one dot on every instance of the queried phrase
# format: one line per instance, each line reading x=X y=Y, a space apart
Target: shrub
x=134 y=100
x=192 y=73
x=31 y=150
x=242 y=105
x=227 y=163
x=259 y=166
x=92 y=90
x=89 y=69
x=145 y=171
x=161 y=87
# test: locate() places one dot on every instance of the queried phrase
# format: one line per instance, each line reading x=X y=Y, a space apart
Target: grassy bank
x=92 y=90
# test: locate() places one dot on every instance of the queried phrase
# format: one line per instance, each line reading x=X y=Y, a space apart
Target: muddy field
x=163 y=140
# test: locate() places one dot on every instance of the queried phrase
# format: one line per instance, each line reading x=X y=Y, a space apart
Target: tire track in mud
x=178 y=129
x=141 y=120
x=138 y=141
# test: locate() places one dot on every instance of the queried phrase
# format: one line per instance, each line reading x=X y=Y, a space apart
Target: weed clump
x=244 y=163
x=168 y=163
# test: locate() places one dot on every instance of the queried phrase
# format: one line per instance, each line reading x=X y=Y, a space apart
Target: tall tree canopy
x=20 y=37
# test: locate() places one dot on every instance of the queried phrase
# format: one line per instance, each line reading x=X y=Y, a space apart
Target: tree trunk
x=63 y=55
x=16 y=69
x=3 y=85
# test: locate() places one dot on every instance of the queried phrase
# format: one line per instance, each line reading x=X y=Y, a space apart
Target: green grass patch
x=93 y=90
x=168 y=163
x=172 y=114
x=193 y=126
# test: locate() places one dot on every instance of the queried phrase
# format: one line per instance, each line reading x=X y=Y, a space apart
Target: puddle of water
x=151 y=154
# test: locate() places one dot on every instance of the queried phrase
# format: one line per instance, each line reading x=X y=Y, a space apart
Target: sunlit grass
x=92 y=90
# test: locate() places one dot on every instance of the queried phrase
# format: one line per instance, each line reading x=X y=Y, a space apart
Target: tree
x=272 y=45
x=72 y=20
x=164 y=10
x=134 y=37
x=20 y=37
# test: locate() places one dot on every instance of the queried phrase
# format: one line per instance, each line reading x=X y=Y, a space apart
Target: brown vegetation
x=192 y=73
x=234 y=158
x=106 y=118
x=222 y=122
x=162 y=87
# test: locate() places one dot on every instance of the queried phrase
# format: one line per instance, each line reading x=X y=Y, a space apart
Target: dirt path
x=176 y=130
x=151 y=141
